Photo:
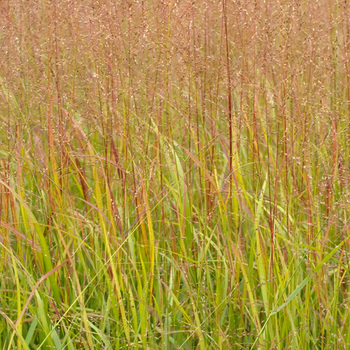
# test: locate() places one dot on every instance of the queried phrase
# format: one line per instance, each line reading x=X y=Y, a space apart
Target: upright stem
x=229 y=93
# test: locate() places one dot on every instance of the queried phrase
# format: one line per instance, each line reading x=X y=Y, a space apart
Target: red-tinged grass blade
x=22 y=236
x=35 y=288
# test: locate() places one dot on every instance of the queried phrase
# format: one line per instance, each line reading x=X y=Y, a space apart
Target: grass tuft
x=174 y=175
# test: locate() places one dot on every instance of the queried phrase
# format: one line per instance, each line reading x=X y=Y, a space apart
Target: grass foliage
x=174 y=174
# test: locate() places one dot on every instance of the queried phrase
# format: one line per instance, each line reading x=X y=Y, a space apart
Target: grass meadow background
x=174 y=174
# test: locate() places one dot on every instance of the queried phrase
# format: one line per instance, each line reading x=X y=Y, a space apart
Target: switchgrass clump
x=174 y=174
